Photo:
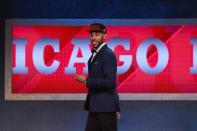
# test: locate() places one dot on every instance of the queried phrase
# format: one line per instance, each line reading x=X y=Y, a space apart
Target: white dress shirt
x=97 y=50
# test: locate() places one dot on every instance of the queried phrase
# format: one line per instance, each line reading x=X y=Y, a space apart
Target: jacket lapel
x=89 y=61
x=95 y=57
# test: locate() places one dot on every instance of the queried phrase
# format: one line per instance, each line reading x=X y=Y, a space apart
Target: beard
x=96 y=46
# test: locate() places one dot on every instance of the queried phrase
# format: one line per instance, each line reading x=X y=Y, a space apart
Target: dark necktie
x=93 y=50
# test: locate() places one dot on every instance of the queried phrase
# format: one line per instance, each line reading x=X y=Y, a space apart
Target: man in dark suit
x=102 y=100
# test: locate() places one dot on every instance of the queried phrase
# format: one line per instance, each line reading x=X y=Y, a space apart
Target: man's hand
x=117 y=116
x=80 y=78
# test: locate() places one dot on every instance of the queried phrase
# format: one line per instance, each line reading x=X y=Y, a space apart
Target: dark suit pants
x=101 y=121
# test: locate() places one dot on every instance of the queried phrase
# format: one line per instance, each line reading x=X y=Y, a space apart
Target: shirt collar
x=97 y=50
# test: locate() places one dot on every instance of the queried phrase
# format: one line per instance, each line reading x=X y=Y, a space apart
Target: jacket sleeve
x=109 y=80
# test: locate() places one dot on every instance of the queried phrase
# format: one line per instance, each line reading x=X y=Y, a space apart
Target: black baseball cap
x=97 y=27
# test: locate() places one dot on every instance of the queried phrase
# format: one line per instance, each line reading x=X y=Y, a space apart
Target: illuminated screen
x=152 y=59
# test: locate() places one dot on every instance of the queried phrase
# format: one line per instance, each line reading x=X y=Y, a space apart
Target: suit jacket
x=101 y=82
